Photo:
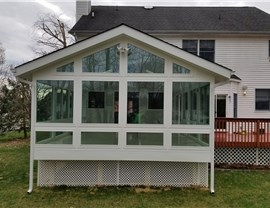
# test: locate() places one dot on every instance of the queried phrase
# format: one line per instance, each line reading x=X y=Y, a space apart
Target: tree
x=5 y=71
x=15 y=107
x=14 y=100
x=50 y=34
x=2 y=55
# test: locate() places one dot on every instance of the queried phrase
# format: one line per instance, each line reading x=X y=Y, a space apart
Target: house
x=126 y=105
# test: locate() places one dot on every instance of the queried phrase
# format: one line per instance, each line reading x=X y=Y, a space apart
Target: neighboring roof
x=176 y=19
x=221 y=73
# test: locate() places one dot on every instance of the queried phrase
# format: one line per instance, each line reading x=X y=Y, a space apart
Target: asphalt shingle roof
x=173 y=19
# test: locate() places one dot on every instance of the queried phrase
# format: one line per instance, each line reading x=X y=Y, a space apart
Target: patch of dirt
x=148 y=189
x=15 y=143
x=242 y=166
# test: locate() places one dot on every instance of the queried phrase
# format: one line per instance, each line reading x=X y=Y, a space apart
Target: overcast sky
x=18 y=16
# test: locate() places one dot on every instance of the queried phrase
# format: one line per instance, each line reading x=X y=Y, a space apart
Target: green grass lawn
x=10 y=136
x=234 y=188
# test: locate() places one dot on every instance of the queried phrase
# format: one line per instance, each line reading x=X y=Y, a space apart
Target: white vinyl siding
x=248 y=57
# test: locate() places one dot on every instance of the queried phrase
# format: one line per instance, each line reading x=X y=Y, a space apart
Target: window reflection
x=177 y=69
x=55 y=101
x=145 y=102
x=145 y=138
x=54 y=137
x=99 y=138
x=182 y=139
x=190 y=103
x=105 y=61
x=99 y=102
x=141 y=61
x=66 y=68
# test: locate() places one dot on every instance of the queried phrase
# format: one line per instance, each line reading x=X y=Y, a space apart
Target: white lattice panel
x=248 y=156
x=114 y=173
x=264 y=156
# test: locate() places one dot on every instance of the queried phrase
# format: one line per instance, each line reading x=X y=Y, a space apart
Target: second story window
x=262 y=99
x=202 y=48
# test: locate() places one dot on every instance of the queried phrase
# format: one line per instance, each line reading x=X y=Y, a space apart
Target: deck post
x=257 y=133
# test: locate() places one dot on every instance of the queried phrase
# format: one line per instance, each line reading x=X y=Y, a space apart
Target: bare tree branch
x=50 y=34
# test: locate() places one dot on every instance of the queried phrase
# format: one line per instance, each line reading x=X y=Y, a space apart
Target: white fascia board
x=117 y=32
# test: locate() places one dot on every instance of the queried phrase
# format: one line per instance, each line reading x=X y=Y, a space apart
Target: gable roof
x=176 y=19
x=221 y=73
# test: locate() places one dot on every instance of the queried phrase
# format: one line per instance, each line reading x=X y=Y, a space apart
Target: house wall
x=248 y=57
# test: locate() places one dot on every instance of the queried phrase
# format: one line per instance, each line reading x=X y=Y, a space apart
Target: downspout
x=31 y=160
x=212 y=142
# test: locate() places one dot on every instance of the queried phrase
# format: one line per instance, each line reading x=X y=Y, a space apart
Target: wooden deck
x=242 y=132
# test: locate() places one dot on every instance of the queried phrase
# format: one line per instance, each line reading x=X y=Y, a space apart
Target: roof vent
x=148 y=7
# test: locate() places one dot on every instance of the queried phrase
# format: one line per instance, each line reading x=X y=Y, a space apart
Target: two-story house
x=126 y=105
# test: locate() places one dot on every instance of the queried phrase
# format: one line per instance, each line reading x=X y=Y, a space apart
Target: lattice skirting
x=121 y=173
x=248 y=156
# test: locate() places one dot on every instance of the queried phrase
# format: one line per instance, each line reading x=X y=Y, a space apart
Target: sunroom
x=122 y=108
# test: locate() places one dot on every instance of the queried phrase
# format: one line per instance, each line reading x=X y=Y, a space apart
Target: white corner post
x=32 y=138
